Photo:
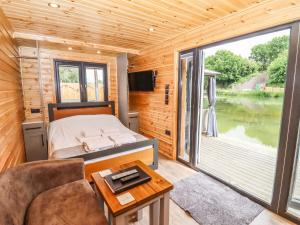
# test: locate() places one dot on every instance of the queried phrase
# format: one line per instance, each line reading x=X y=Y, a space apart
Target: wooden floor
x=174 y=171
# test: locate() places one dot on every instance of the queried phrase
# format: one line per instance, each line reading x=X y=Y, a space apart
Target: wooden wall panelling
x=11 y=100
x=163 y=57
x=47 y=56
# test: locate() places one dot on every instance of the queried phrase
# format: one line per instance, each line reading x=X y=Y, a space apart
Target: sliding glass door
x=242 y=111
x=234 y=114
x=190 y=82
x=186 y=75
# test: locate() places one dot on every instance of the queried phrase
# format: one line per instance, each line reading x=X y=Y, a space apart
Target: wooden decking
x=251 y=167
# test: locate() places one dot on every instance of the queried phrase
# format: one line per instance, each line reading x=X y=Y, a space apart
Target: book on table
x=126 y=179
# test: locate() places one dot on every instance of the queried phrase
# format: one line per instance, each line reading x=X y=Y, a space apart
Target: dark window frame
x=82 y=77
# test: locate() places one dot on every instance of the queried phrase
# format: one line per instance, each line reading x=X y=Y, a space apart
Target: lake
x=252 y=119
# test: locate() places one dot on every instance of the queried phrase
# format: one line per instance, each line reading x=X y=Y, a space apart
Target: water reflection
x=255 y=120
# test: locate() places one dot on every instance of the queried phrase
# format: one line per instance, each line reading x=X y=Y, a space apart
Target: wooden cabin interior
x=198 y=100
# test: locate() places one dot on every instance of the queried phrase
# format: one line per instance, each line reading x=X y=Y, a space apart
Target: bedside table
x=35 y=139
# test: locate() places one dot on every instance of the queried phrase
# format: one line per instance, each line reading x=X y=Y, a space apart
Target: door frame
x=292 y=97
x=286 y=147
x=179 y=105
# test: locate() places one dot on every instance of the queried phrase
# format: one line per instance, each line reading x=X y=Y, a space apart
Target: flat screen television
x=141 y=81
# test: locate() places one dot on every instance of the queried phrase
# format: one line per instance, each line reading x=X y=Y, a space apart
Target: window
x=80 y=81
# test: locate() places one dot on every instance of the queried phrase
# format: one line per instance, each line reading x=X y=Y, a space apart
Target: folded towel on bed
x=91 y=133
x=96 y=143
x=109 y=130
x=121 y=139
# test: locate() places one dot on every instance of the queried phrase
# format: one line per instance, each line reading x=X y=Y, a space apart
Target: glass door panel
x=185 y=104
x=69 y=77
x=242 y=108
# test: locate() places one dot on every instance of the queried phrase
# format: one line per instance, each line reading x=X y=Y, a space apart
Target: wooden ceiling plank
x=160 y=8
x=87 y=10
x=58 y=40
x=206 y=15
x=103 y=39
x=141 y=8
x=208 y=6
x=74 y=29
x=150 y=36
x=113 y=20
x=118 y=23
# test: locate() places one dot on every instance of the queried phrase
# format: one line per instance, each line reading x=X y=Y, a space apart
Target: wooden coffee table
x=154 y=194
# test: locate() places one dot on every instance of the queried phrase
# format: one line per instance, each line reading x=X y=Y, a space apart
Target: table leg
x=110 y=218
x=101 y=203
x=120 y=220
x=137 y=216
x=154 y=213
x=164 y=209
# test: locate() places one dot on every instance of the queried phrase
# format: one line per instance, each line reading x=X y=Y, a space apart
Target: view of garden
x=250 y=87
x=70 y=88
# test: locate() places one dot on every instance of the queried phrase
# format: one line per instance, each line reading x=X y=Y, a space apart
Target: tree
x=264 y=54
x=68 y=75
x=277 y=69
x=231 y=66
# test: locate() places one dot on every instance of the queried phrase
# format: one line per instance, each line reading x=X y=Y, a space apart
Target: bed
x=69 y=121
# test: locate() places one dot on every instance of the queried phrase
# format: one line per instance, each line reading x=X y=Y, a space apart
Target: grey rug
x=210 y=202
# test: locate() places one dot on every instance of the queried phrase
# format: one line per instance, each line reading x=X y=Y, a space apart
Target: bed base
x=148 y=156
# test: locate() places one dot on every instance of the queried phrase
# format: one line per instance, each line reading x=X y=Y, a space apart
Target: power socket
x=168 y=132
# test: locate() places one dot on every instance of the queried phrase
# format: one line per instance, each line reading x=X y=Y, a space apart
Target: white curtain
x=212 y=129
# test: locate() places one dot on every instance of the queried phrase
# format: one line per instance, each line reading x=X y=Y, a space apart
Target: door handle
x=42 y=136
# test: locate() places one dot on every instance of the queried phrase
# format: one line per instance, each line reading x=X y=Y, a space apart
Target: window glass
x=95 y=84
x=80 y=82
x=69 y=83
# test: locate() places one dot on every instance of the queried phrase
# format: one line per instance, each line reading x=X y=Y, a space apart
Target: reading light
x=151 y=29
x=53 y=5
x=70 y=48
x=98 y=52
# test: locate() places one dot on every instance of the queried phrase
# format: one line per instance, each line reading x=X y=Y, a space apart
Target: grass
x=254 y=93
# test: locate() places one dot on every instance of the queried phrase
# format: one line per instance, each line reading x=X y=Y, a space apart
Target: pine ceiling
x=119 y=23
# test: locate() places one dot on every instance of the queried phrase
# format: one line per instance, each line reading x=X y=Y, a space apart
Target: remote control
x=124 y=174
x=130 y=177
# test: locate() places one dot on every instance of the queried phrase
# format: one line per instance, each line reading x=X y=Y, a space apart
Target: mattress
x=63 y=135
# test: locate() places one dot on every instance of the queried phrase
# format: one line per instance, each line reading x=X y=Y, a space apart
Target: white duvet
x=64 y=133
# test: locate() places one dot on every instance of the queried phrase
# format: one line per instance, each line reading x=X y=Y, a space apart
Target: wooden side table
x=154 y=194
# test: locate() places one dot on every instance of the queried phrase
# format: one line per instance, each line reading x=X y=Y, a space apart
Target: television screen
x=141 y=81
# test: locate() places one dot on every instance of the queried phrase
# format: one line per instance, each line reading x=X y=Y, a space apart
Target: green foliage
x=264 y=54
x=277 y=69
x=68 y=75
x=231 y=66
